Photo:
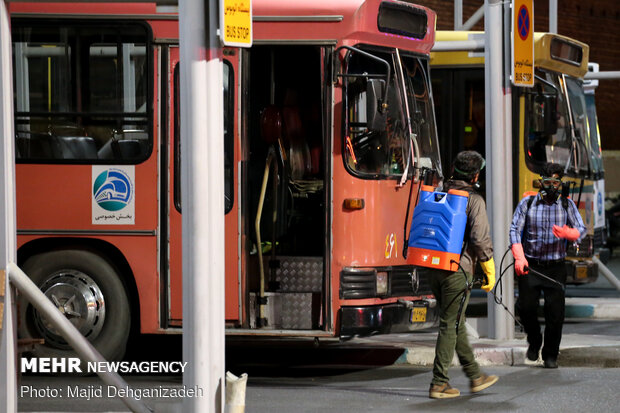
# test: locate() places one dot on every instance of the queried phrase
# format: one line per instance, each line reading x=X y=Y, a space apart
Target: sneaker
x=532 y=353
x=482 y=383
x=442 y=391
x=551 y=364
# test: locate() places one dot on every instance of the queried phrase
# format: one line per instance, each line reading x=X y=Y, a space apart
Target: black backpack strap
x=529 y=204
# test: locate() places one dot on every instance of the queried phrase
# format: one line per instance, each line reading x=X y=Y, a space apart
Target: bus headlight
x=382 y=282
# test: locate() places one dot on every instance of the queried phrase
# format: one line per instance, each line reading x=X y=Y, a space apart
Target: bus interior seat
x=78 y=147
x=38 y=146
x=123 y=149
x=130 y=148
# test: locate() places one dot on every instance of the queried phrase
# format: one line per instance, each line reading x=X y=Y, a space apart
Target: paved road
x=386 y=389
x=520 y=389
x=348 y=377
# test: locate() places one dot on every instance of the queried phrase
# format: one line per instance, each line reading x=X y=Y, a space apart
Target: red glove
x=520 y=261
x=566 y=232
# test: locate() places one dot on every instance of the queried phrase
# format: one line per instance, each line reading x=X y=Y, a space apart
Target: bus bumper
x=388 y=318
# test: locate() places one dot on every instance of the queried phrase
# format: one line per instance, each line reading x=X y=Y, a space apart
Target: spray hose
x=480 y=281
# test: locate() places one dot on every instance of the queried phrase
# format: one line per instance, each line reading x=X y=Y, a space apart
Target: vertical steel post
x=202 y=183
x=499 y=150
x=8 y=385
x=553 y=16
x=458 y=14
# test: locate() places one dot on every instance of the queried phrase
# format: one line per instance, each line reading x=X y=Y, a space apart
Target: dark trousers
x=530 y=287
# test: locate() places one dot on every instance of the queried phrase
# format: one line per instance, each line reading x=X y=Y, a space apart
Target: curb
x=601 y=309
x=604 y=357
x=596 y=356
x=486 y=356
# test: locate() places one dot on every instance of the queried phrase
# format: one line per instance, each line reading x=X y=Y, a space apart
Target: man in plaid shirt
x=540 y=231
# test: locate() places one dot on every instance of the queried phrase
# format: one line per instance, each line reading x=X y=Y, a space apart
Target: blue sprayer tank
x=437 y=229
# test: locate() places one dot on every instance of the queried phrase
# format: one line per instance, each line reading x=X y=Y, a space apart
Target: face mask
x=550 y=188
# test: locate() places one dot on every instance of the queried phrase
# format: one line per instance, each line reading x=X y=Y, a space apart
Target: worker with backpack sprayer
x=541 y=226
x=447 y=285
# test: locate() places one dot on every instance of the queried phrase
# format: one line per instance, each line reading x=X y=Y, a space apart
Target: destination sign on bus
x=402 y=19
x=236 y=23
x=566 y=51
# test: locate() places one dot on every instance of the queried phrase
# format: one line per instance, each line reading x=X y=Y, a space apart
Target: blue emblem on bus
x=112 y=190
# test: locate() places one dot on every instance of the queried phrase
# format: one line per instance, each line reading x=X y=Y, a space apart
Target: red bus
x=332 y=104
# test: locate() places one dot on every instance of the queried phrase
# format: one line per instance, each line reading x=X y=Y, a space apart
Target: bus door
x=285 y=142
x=171 y=247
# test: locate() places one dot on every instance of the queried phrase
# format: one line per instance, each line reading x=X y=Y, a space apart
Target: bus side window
x=82 y=91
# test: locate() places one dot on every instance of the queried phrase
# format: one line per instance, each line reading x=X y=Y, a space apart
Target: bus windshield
x=385 y=153
x=566 y=142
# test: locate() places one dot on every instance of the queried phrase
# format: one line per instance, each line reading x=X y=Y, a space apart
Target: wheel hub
x=79 y=298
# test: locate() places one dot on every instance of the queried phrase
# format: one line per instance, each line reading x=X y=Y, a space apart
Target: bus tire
x=88 y=289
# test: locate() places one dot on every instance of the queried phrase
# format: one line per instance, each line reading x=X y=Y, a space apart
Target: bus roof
x=393 y=23
x=345 y=21
x=561 y=54
x=552 y=51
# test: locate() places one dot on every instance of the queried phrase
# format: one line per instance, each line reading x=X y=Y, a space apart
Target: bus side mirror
x=545 y=119
x=376 y=109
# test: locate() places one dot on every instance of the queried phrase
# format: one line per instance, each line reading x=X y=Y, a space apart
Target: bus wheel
x=88 y=290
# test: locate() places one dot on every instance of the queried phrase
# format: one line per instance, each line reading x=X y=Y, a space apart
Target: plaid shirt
x=540 y=243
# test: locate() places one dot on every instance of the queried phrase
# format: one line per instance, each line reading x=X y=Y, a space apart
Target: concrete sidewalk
x=576 y=350
x=600 y=308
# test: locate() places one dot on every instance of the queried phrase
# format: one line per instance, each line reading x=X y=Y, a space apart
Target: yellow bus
x=549 y=122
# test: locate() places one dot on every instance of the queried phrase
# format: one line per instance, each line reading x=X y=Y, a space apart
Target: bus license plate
x=582 y=271
x=418 y=314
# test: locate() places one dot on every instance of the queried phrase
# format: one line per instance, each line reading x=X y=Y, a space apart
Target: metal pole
x=458 y=14
x=74 y=338
x=498 y=154
x=8 y=345
x=202 y=183
x=508 y=295
x=475 y=43
x=603 y=75
x=553 y=16
x=602 y=268
x=474 y=19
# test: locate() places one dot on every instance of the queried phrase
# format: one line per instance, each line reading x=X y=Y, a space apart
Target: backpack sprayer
x=437 y=233
x=438 y=229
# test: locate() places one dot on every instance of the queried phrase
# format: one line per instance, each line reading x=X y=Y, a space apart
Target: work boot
x=482 y=383
x=442 y=391
x=532 y=353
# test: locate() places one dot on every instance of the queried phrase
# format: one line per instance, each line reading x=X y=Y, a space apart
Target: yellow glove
x=489 y=270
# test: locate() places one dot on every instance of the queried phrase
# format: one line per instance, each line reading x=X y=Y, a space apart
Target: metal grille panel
x=296 y=311
x=357 y=284
x=300 y=274
x=401 y=282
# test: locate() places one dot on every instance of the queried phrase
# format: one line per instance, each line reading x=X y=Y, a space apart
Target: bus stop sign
x=523 y=43
x=236 y=22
